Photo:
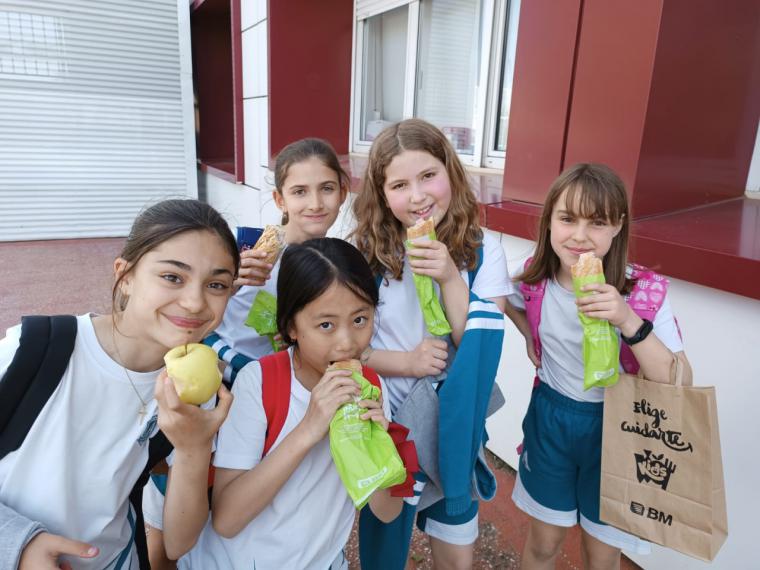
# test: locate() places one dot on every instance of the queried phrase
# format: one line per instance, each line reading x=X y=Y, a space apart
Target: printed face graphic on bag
x=651 y=468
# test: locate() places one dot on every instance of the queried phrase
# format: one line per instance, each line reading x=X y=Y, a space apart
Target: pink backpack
x=645 y=299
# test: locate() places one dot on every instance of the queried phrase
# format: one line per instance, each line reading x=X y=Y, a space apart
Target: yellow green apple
x=195 y=372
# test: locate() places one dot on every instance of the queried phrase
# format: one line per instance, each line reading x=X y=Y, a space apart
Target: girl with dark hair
x=558 y=481
x=279 y=502
x=64 y=492
x=310 y=187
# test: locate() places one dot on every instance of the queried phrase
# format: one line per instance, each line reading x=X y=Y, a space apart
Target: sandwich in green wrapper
x=601 y=348
x=364 y=453
x=432 y=311
x=262 y=317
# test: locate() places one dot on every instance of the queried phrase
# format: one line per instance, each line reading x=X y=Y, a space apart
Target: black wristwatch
x=643 y=332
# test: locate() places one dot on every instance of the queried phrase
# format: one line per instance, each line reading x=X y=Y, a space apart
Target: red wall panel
x=309 y=71
x=704 y=104
x=612 y=84
x=212 y=68
x=540 y=97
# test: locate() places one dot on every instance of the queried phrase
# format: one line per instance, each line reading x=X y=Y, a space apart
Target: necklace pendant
x=141 y=414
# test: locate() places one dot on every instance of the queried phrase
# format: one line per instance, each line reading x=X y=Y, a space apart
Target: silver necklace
x=143 y=404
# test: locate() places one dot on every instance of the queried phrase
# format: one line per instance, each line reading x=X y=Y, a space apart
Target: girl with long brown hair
x=414 y=174
x=586 y=211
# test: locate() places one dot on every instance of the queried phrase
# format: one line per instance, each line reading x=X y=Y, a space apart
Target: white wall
x=250 y=203
x=721 y=340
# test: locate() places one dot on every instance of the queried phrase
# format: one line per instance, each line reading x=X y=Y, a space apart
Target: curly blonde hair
x=379 y=235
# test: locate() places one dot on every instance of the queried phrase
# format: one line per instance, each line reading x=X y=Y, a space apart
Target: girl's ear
x=278 y=200
x=120 y=267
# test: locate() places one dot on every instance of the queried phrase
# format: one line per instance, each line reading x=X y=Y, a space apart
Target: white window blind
x=367 y=8
x=95 y=114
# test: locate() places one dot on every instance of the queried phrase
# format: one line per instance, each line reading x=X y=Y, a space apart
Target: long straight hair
x=594 y=191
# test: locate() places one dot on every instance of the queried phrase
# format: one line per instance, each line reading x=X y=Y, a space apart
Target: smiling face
x=178 y=291
x=311 y=196
x=417 y=186
x=337 y=325
x=571 y=235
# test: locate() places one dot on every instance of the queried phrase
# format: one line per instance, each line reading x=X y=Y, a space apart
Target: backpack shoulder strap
x=372 y=376
x=646 y=298
x=275 y=394
x=533 y=296
x=473 y=273
x=44 y=351
x=159 y=449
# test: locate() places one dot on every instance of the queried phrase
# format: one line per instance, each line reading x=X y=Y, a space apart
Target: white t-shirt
x=84 y=453
x=233 y=330
x=308 y=523
x=561 y=336
x=399 y=324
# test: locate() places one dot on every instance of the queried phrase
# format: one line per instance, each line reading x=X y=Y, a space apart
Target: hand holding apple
x=195 y=372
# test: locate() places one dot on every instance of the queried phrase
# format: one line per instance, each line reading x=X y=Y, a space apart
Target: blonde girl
x=414 y=173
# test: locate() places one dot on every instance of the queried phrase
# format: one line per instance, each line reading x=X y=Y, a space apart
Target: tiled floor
x=75 y=276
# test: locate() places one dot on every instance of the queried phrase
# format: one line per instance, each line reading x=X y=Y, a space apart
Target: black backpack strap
x=159 y=449
x=36 y=370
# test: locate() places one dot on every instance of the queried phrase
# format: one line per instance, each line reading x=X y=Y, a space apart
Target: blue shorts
x=459 y=529
x=385 y=546
x=560 y=466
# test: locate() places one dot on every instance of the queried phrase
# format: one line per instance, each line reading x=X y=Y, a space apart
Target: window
x=437 y=60
x=218 y=85
x=450 y=93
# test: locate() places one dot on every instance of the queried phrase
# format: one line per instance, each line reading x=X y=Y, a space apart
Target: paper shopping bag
x=662 y=474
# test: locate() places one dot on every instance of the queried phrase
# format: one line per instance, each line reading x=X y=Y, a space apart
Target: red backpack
x=275 y=395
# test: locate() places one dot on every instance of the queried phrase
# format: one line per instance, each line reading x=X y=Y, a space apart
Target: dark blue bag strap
x=42 y=357
x=472 y=274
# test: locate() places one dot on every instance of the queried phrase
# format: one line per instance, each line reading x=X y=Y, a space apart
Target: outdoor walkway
x=75 y=276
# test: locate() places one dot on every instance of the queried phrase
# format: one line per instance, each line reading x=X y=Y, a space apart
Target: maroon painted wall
x=616 y=52
x=704 y=105
x=666 y=92
x=309 y=71
x=212 y=70
x=540 y=97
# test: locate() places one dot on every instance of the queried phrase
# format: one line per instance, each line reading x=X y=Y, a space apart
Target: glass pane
x=506 y=76
x=383 y=68
x=448 y=68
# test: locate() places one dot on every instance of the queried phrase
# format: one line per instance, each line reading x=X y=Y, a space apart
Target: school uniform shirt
x=233 y=330
x=308 y=522
x=399 y=324
x=561 y=336
x=84 y=453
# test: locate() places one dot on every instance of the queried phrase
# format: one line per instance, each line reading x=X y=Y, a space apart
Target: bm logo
x=651 y=513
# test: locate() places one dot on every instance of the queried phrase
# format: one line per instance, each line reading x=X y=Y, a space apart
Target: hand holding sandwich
x=335 y=388
x=607 y=303
x=254 y=269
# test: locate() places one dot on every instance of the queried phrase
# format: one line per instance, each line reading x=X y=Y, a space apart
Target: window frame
x=356 y=144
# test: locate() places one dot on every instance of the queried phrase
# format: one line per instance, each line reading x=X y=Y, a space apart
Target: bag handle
x=676 y=372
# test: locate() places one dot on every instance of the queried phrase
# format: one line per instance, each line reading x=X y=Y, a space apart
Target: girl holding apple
x=64 y=492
